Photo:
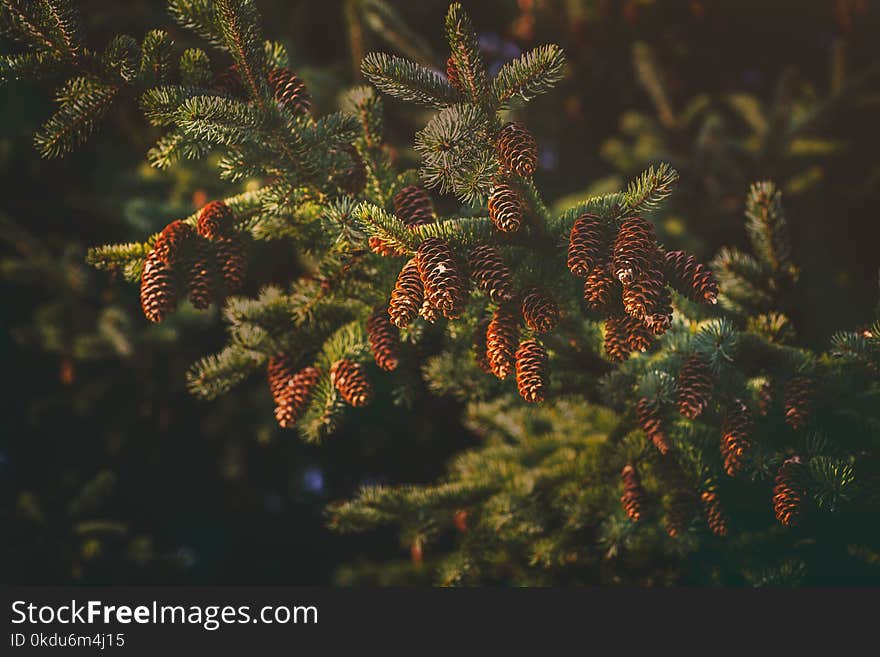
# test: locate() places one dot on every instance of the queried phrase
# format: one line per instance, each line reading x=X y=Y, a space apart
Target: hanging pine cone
x=490 y=273
x=633 y=498
x=292 y=399
x=501 y=339
x=158 y=289
x=350 y=379
x=650 y=418
x=517 y=149
x=407 y=297
x=429 y=313
x=413 y=206
x=279 y=371
x=201 y=275
x=638 y=336
x=290 y=91
x=231 y=256
x=506 y=208
x=215 y=219
x=353 y=179
x=789 y=491
x=798 y=402
x=229 y=82
x=736 y=437
x=479 y=346
x=381 y=247
x=646 y=299
x=635 y=250
x=694 y=386
x=444 y=288
x=616 y=338
x=384 y=340
x=659 y=317
x=173 y=242
x=587 y=245
x=540 y=311
x=452 y=75
x=531 y=371
x=715 y=516
x=601 y=290
x=690 y=277
x=679 y=512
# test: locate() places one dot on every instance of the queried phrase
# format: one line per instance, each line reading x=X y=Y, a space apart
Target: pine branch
x=408 y=81
x=532 y=74
x=240 y=24
x=217 y=374
x=375 y=222
x=83 y=102
x=465 y=53
x=200 y=17
x=649 y=190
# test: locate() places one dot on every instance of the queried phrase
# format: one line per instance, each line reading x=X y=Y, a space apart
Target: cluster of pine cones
x=695 y=386
x=626 y=274
x=205 y=264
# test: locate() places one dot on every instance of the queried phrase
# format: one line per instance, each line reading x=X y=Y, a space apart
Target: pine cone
x=173 y=242
x=798 y=401
x=638 y=336
x=350 y=379
x=694 y=387
x=679 y=511
x=501 y=339
x=648 y=300
x=479 y=346
x=633 y=498
x=616 y=338
x=215 y=220
x=517 y=149
x=736 y=437
x=158 y=289
x=443 y=285
x=293 y=399
x=789 y=491
x=490 y=273
x=429 y=313
x=506 y=208
x=229 y=82
x=384 y=340
x=531 y=371
x=279 y=371
x=715 y=516
x=407 y=297
x=690 y=277
x=290 y=91
x=452 y=75
x=540 y=311
x=201 y=275
x=635 y=250
x=650 y=419
x=460 y=520
x=601 y=290
x=587 y=245
x=353 y=179
x=413 y=206
x=231 y=256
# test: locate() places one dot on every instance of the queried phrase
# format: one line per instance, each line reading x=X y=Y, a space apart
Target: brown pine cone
x=517 y=149
x=602 y=291
x=383 y=248
x=353 y=179
x=490 y=273
x=798 y=401
x=452 y=75
x=789 y=491
x=158 y=289
x=616 y=338
x=413 y=206
x=479 y=346
x=501 y=339
x=633 y=498
x=648 y=300
x=460 y=520
x=694 y=386
x=715 y=516
x=690 y=277
x=587 y=245
x=279 y=371
x=531 y=371
x=201 y=275
x=173 y=242
x=407 y=297
x=293 y=399
x=679 y=511
x=441 y=280
x=215 y=219
x=350 y=379
x=506 y=208
x=290 y=91
x=638 y=336
x=635 y=250
x=229 y=82
x=429 y=313
x=736 y=437
x=231 y=256
x=540 y=311
x=384 y=339
x=650 y=418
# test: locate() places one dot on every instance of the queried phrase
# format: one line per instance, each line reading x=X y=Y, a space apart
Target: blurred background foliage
x=111 y=473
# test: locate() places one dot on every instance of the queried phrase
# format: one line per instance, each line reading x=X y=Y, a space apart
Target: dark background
x=111 y=473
